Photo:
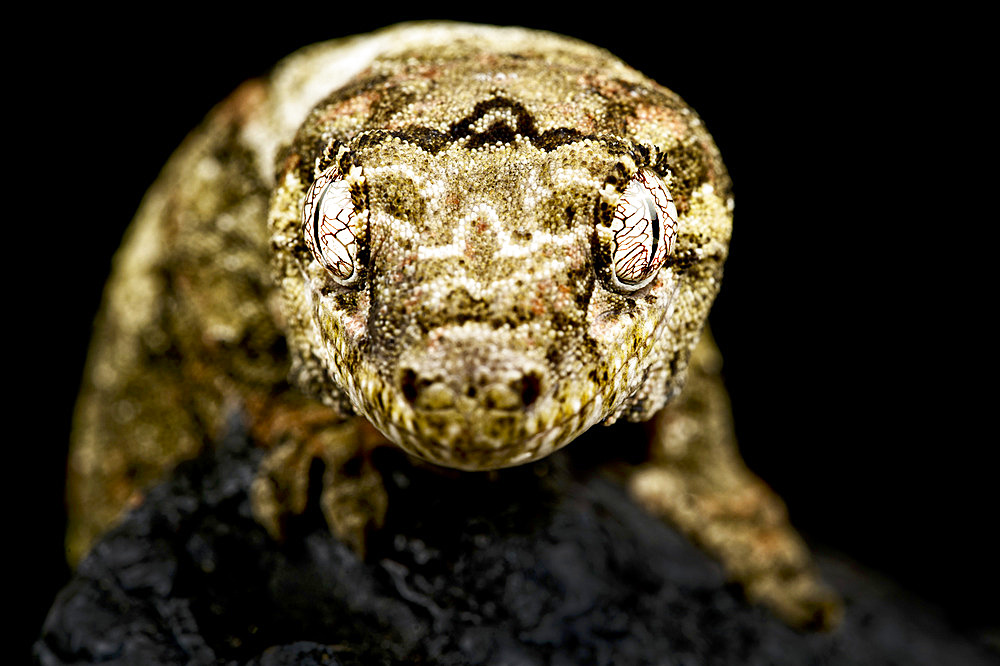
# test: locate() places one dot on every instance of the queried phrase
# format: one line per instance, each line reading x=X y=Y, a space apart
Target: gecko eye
x=643 y=232
x=332 y=227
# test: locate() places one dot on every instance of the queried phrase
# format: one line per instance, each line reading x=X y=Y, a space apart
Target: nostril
x=408 y=384
x=531 y=387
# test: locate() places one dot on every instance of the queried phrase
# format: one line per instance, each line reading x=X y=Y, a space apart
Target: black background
x=851 y=350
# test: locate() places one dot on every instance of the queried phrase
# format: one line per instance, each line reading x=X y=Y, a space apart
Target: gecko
x=470 y=242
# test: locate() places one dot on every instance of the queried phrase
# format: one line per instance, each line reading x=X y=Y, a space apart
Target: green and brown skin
x=483 y=331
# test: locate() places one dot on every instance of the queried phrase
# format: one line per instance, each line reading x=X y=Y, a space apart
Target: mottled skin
x=484 y=328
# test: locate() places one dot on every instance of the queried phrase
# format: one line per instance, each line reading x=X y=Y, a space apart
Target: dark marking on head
x=427 y=139
x=551 y=139
x=498 y=131
x=619 y=176
x=689 y=169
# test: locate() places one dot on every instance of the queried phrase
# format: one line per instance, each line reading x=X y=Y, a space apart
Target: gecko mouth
x=482 y=444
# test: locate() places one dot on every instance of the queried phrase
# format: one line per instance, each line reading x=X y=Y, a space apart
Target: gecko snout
x=476 y=394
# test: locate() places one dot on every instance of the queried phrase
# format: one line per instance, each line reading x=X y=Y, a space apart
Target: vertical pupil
x=654 y=223
x=317 y=218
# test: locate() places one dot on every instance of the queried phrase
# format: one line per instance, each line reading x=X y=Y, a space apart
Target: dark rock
x=535 y=565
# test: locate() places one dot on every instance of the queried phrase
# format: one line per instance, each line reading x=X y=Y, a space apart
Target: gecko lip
x=482 y=430
x=491 y=439
x=465 y=448
x=467 y=435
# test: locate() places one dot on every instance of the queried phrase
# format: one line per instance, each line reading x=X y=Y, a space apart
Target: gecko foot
x=745 y=526
x=799 y=599
x=353 y=498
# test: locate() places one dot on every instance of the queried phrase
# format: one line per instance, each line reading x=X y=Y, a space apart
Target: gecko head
x=487 y=273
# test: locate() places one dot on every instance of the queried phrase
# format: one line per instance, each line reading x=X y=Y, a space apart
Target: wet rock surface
x=535 y=565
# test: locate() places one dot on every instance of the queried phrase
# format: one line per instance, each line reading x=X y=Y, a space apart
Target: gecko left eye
x=332 y=227
x=644 y=232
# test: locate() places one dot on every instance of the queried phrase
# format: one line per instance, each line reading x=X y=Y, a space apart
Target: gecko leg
x=353 y=498
x=697 y=480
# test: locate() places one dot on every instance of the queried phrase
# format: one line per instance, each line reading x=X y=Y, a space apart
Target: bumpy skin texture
x=482 y=327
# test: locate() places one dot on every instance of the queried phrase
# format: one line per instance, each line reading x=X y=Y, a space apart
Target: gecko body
x=472 y=243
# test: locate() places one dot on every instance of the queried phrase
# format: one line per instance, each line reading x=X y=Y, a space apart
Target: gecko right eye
x=331 y=226
x=641 y=234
